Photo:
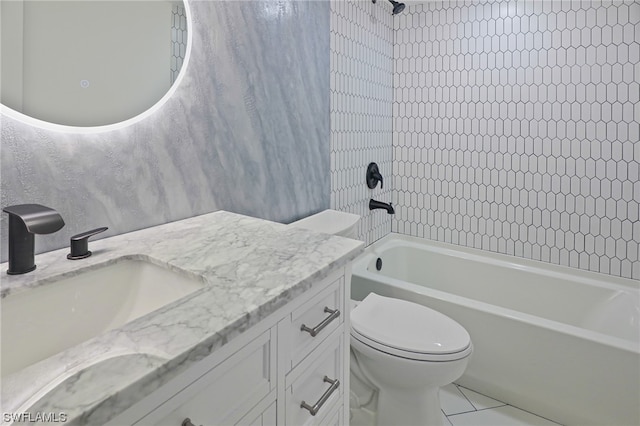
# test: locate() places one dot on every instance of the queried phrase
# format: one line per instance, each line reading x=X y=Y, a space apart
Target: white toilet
x=405 y=350
x=408 y=352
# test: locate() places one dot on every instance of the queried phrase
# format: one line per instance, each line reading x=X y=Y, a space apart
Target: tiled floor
x=464 y=407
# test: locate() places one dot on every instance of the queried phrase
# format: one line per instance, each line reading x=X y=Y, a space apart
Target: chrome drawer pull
x=335 y=313
x=335 y=383
x=187 y=422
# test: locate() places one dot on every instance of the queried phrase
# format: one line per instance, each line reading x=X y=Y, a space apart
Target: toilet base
x=408 y=407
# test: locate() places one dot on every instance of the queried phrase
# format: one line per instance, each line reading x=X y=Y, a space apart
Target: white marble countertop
x=250 y=267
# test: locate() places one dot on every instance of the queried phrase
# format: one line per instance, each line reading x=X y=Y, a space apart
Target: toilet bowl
x=405 y=351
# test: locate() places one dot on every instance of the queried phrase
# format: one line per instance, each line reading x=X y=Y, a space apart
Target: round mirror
x=90 y=63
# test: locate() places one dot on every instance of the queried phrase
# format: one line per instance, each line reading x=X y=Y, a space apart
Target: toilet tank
x=331 y=222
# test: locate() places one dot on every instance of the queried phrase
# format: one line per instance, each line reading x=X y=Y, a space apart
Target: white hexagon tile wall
x=516 y=129
x=361 y=121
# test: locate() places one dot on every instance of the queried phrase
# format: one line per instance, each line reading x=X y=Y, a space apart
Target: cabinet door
x=318 y=382
x=225 y=393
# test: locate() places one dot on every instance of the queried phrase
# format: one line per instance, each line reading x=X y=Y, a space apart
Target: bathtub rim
x=360 y=269
x=499 y=259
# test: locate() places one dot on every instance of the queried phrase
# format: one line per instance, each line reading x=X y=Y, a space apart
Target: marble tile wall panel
x=361 y=99
x=247 y=131
x=517 y=129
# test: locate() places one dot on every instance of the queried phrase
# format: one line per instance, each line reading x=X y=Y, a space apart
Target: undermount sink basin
x=46 y=320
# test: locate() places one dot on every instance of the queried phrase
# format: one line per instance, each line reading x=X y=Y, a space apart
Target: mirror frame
x=36 y=122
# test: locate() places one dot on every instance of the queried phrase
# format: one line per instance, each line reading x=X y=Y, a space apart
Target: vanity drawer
x=316 y=319
x=226 y=392
x=317 y=382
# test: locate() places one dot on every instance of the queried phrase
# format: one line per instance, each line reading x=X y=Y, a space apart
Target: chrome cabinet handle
x=335 y=313
x=335 y=383
x=187 y=422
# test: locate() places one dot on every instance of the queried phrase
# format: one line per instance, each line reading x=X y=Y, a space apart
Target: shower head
x=397 y=7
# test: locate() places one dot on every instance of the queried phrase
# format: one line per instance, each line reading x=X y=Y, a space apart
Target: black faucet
x=26 y=220
x=373 y=204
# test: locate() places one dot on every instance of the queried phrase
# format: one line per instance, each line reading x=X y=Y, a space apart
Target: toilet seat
x=408 y=330
x=416 y=356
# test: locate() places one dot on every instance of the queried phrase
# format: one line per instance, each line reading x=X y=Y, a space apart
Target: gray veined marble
x=250 y=267
x=246 y=131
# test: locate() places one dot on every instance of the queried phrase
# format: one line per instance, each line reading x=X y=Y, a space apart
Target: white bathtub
x=560 y=342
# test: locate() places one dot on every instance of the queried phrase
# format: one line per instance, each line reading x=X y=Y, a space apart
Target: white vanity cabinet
x=297 y=357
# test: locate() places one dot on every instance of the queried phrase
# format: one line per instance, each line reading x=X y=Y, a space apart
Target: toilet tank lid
x=408 y=326
x=329 y=221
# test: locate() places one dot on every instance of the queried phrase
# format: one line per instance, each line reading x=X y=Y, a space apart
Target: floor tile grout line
x=490 y=397
x=463 y=412
x=447 y=418
x=537 y=415
x=465 y=397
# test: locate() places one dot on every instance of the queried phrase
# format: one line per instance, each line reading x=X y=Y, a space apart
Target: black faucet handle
x=79 y=244
x=379 y=177
x=374 y=176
